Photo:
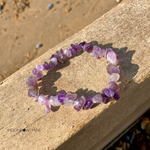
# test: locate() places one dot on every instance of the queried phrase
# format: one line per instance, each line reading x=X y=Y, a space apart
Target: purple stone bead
x=40 y=67
x=79 y=48
x=54 y=100
x=88 y=48
x=114 y=87
x=51 y=65
x=116 y=96
x=111 y=94
x=46 y=65
x=61 y=97
x=114 y=77
x=97 y=98
x=36 y=98
x=42 y=99
x=96 y=51
x=72 y=51
x=88 y=102
x=37 y=73
x=78 y=103
x=31 y=81
x=112 y=69
x=112 y=57
x=108 y=92
x=32 y=91
x=92 y=53
x=82 y=44
x=54 y=59
x=102 y=53
x=47 y=105
x=106 y=51
x=60 y=56
x=105 y=98
x=53 y=56
x=74 y=47
x=67 y=53
x=69 y=99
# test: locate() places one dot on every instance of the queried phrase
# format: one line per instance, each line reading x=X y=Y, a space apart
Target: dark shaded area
x=134 y=136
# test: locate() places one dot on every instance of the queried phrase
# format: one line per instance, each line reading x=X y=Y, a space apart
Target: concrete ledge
x=125 y=29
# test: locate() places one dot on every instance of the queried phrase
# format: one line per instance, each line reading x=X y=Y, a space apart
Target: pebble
x=132 y=137
x=128 y=145
x=1 y=7
x=65 y=4
x=60 y=26
x=147 y=129
x=118 y=1
x=49 y=6
x=144 y=122
x=68 y=10
x=124 y=146
x=143 y=147
x=136 y=138
x=39 y=45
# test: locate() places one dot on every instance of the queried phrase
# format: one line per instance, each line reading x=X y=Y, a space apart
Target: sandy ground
x=25 y=23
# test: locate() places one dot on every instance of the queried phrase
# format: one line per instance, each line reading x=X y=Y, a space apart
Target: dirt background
x=26 y=23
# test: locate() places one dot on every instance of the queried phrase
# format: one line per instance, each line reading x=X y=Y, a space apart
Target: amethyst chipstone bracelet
x=69 y=99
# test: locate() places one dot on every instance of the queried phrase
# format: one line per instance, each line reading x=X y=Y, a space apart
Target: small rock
x=124 y=146
x=147 y=129
x=2 y=3
x=144 y=122
x=119 y=143
x=143 y=147
x=60 y=26
x=118 y=1
x=132 y=137
x=65 y=4
x=49 y=6
x=39 y=45
x=127 y=137
x=128 y=145
x=77 y=4
x=68 y=10
x=1 y=7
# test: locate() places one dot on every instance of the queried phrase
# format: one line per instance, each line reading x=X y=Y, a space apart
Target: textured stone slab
x=125 y=29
